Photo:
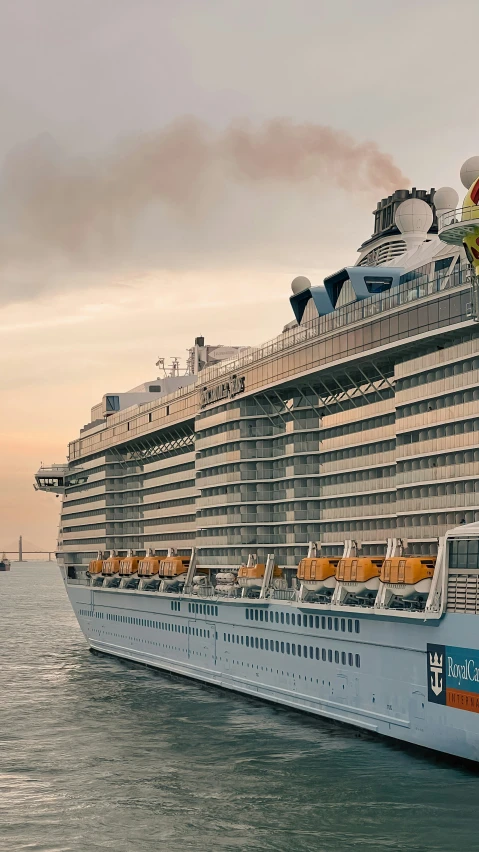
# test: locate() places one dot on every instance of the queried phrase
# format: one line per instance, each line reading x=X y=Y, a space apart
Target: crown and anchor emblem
x=436 y=671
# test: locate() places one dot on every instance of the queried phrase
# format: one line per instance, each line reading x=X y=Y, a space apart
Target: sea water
x=98 y=754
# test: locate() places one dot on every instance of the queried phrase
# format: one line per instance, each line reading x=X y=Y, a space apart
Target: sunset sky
x=120 y=243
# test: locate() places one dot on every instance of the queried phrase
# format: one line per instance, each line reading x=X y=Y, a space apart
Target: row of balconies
x=210 y=481
x=442 y=386
x=375 y=459
x=79 y=534
x=438 y=416
x=369 y=510
x=358 y=439
x=252 y=540
x=438 y=474
x=365 y=486
x=82 y=507
x=452 y=443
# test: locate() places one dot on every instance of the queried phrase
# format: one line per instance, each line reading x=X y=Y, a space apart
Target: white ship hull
x=362 y=675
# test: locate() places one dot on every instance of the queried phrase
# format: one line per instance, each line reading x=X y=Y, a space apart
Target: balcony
x=454 y=225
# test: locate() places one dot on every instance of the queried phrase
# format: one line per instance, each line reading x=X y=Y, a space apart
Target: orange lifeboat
x=149 y=566
x=111 y=566
x=407 y=581
x=409 y=570
x=173 y=566
x=359 y=579
x=129 y=566
x=251 y=577
x=353 y=569
x=95 y=566
x=317 y=574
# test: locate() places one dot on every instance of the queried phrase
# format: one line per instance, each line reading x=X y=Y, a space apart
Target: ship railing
x=418 y=284
x=454 y=217
x=283 y=594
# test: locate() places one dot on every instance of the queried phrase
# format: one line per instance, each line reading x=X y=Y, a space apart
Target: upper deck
x=419 y=307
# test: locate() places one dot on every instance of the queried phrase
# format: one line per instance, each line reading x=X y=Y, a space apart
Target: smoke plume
x=82 y=209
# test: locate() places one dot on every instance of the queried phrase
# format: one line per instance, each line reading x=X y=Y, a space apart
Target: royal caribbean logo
x=453 y=677
x=436 y=684
x=226 y=390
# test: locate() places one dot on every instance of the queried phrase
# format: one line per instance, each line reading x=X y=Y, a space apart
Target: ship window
x=282 y=647
x=356 y=625
x=276 y=617
x=350 y=659
x=299 y=650
x=358 y=661
x=256 y=616
x=247 y=641
x=293 y=618
x=261 y=615
x=330 y=656
x=311 y=622
x=330 y=623
x=305 y=651
x=293 y=649
x=229 y=638
x=343 y=625
x=224 y=636
x=336 y=623
x=276 y=645
x=323 y=622
x=350 y=625
x=343 y=658
x=241 y=639
x=247 y=614
x=317 y=653
x=282 y=618
x=266 y=644
x=261 y=644
x=336 y=656
x=287 y=648
x=256 y=643
x=287 y=618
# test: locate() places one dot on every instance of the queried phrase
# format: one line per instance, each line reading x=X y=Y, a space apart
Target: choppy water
x=96 y=754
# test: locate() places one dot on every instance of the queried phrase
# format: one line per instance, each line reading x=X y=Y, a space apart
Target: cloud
x=164 y=195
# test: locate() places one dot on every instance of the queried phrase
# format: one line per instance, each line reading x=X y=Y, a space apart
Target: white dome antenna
x=300 y=284
x=445 y=201
x=469 y=171
x=414 y=217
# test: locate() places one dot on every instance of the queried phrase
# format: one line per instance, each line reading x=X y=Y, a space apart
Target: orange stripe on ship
x=462 y=700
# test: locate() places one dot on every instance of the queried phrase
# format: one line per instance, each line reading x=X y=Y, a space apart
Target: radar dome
x=445 y=198
x=299 y=284
x=470 y=171
x=414 y=215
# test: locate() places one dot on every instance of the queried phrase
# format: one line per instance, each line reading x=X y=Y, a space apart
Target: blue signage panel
x=453 y=676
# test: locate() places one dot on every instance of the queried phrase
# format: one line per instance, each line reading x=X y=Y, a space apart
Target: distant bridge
x=20 y=552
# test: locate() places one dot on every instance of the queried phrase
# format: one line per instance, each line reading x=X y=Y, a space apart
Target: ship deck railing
x=417 y=284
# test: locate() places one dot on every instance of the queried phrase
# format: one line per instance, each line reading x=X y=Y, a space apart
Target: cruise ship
x=299 y=521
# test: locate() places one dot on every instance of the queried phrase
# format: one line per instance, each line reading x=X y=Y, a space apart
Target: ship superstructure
x=300 y=520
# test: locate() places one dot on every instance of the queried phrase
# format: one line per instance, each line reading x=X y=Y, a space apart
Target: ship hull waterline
x=370 y=697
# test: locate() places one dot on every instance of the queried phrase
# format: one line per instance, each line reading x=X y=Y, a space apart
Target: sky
x=167 y=167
